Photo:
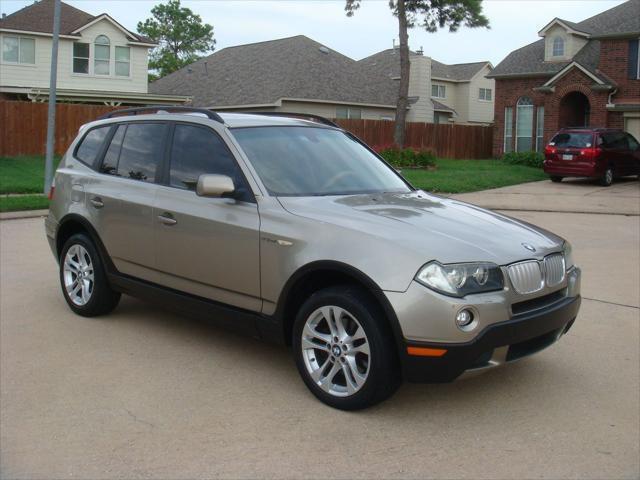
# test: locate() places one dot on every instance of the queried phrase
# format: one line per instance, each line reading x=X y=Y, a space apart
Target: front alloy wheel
x=344 y=348
x=335 y=349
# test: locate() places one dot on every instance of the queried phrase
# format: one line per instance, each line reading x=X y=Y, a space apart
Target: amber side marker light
x=426 y=352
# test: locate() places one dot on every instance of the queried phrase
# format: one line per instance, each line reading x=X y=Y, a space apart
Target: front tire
x=84 y=280
x=556 y=179
x=344 y=349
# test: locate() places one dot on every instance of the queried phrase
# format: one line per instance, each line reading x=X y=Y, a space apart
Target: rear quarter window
x=90 y=146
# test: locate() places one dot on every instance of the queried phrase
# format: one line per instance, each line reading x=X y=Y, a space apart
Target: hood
x=435 y=228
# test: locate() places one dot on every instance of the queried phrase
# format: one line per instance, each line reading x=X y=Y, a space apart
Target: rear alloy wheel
x=556 y=179
x=83 y=278
x=343 y=349
x=607 y=178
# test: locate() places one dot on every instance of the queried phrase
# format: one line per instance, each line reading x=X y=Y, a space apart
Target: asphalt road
x=144 y=393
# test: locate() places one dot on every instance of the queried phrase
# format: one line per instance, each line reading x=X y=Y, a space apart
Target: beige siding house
x=298 y=74
x=99 y=61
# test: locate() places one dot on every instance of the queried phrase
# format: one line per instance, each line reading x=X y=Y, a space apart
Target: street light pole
x=51 y=118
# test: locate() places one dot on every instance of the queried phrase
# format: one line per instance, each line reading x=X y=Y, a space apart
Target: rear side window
x=572 y=140
x=91 y=145
x=615 y=140
x=135 y=151
x=197 y=150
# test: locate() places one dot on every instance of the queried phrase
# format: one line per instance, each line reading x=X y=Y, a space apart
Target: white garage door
x=632 y=125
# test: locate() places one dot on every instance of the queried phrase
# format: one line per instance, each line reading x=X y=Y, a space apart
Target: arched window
x=102 y=55
x=558 y=47
x=524 y=125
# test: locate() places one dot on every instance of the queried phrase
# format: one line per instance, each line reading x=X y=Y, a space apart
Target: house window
x=524 y=125
x=348 y=113
x=485 y=94
x=102 y=54
x=19 y=50
x=81 y=58
x=558 y=47
x=123 y=61
x=439 y=91
x=539 y=128
x=634 y=59
x=508 y=129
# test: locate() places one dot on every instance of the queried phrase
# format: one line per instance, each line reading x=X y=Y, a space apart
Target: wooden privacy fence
x=23 y=131
x=444 y=140
x=23 y=126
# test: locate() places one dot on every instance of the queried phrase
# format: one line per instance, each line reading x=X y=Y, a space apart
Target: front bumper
x=508 y=327
x=499 y=343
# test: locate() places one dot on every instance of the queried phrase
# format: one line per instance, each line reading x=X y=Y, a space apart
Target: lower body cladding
x=503 y=328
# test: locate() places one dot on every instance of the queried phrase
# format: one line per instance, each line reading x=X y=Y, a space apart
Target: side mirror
x=214 y=185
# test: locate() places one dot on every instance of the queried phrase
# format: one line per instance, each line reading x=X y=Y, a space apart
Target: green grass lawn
x=23 y=202
x=24 y=174
x=459 y=176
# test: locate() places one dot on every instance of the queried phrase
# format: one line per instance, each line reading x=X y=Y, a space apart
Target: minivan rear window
x=91 y=145
x=572 y=140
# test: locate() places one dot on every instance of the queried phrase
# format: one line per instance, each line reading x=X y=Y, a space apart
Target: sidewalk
x=572 y=195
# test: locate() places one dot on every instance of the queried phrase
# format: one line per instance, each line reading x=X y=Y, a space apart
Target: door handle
x=167 y=219
x=97 y=202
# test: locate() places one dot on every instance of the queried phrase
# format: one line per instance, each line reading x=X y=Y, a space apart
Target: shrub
x=407 y=157
x=530 y=159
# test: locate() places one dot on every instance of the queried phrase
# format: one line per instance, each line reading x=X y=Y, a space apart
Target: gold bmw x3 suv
x=291 y=229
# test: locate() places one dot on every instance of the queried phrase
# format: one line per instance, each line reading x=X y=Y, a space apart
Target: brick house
x=577 y=74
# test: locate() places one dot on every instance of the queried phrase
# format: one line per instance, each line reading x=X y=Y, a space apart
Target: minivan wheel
x=343 y=351
x=556 y=179
x=83 y=278
x=607 y=178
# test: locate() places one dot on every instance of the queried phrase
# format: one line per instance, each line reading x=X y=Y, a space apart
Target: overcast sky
x=514 y=23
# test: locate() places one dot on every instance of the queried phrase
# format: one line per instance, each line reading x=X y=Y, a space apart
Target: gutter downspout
x=610 y=103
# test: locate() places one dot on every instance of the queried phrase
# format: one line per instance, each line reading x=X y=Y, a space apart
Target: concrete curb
x=23 y=214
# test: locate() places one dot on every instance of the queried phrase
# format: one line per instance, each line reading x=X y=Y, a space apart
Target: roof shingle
x=529 y=60
x=38 y=17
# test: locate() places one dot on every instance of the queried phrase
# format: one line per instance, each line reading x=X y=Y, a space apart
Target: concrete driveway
x=575 y=195
x=144 y=393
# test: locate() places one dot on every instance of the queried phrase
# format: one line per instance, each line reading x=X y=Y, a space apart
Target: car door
x=206 y=246
x=612 y=154
x=633 y=155
x=122 y=194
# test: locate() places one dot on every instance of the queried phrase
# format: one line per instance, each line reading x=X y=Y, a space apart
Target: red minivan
x=601 y=153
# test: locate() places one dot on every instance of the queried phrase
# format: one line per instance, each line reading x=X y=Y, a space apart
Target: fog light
x=464 y=318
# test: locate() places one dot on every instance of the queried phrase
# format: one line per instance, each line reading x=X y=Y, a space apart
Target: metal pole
x=51 y=118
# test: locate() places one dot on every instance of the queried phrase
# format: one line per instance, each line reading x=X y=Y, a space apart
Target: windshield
x=572 y=140
x=308 y=161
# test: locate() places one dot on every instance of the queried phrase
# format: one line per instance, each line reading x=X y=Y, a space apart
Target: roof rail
x=302 y=116
x=166 y=108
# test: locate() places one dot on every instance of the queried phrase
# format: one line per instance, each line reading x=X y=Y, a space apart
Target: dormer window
x=102 y=55
x=558 y=47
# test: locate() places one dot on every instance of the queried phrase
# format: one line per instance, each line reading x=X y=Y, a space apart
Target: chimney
x=4 y=15
x=420 y=51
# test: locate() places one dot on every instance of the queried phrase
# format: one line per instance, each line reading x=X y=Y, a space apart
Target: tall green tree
x=430 y=15
x=182 y=37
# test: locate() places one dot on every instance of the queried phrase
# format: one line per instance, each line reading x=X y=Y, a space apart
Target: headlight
x=460 y=279
x=568 y=256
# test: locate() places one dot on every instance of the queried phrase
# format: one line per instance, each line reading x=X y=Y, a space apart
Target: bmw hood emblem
x=529 y=247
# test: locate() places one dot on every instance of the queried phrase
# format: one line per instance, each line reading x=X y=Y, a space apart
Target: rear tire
x=83 y=278
x=607 y=178
x=344 y=349
x=556 y=179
